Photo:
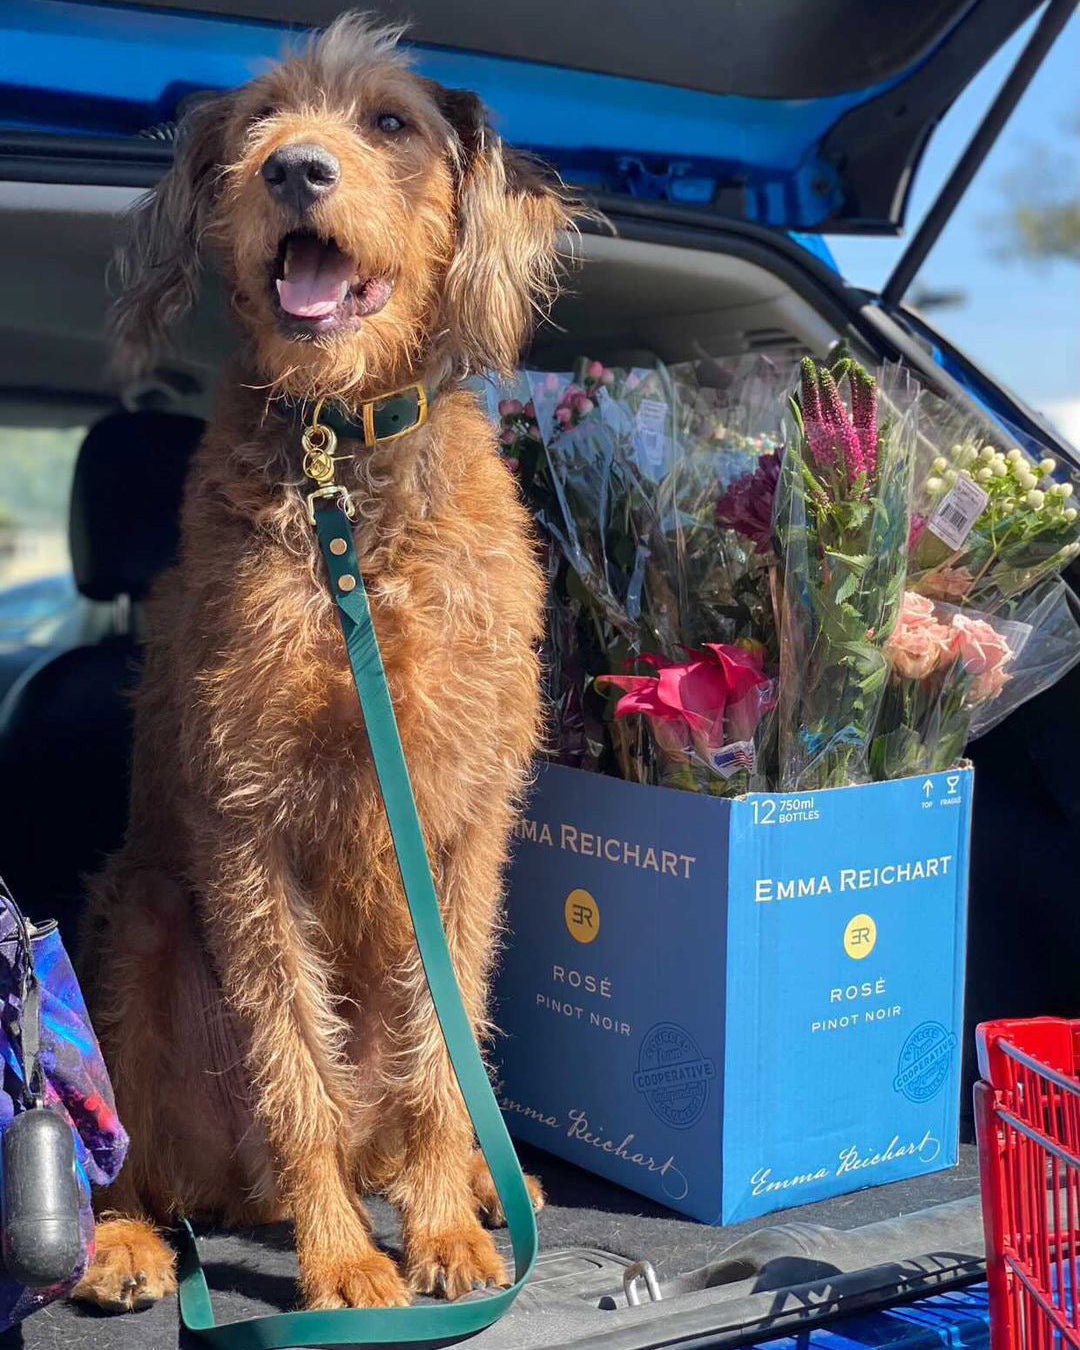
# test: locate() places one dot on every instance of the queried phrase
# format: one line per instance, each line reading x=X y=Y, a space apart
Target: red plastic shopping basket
x=1027 y=1116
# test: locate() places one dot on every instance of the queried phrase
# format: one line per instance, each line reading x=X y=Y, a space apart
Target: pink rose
x=596 y=370
x=989 y=685
x=948 y=583
x=551 y=381
x=512 y=464
x=980 y=647
x=571 y=390
x=508 y=437
x=985 y=654
x=608 y=377
x=583 y=404
x=915 y=608
x=562 y=414
x=530 y=410
x=915 y=653
x=508 y=406
x=918 y=644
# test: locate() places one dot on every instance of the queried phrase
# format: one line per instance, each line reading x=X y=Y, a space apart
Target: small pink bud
x=572 y=390
x=596 y=370
x=509 y=406
x=562 y=414
x=508 y=437
x=552 y=381
x=529 y=410
x=512 y=464
x=608 y=377
x=583 y=404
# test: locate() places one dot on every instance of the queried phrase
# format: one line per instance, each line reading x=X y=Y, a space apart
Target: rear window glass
x=37 y=593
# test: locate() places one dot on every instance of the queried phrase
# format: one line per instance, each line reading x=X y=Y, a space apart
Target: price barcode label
x=958 y=511
x=652 y=428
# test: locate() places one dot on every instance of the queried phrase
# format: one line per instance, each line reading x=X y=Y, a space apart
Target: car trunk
x=629 y=300
x=691 y=272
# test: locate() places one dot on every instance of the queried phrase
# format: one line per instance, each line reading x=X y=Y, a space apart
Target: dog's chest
x=285 y=721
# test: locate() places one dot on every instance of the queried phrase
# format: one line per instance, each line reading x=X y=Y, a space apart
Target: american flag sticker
x=729 y=759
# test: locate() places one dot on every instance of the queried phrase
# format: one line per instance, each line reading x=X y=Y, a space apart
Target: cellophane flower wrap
x=841 y=522
x=622 y=469
x=944 y=663
x=989 y=520
x=954 y=673
x=743 y=600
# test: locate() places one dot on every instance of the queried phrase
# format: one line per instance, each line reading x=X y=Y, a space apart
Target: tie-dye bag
x=69 y=1080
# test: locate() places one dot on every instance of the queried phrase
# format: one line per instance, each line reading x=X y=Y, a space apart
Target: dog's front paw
x=488 y=1204
x=453 y=1262
x=368 y=1281
x=132 y=1267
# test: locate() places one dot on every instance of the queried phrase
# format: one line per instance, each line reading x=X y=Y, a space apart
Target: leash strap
x=428 y=1322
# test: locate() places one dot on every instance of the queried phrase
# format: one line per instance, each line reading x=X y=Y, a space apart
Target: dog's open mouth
x=318 y=288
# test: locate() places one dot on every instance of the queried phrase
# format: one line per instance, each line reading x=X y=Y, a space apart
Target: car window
x=38 y=601
x=1001 y=282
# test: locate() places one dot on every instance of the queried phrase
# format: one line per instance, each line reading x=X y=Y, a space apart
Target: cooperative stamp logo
x=673 y=1075
x=924 y=1062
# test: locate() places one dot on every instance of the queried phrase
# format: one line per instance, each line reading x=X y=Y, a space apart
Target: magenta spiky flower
x=864 y=413
x=836 y=437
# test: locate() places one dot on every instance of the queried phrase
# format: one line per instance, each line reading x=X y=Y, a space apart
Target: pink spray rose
x=918 y=644
x=984 y=652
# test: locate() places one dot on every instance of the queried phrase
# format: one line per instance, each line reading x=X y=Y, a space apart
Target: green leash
x=427 y=1322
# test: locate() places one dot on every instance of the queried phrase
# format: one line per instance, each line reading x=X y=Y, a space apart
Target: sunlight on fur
x=251 y=968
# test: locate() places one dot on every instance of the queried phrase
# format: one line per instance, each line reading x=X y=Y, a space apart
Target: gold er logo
x=582 y=915
x=860 y=936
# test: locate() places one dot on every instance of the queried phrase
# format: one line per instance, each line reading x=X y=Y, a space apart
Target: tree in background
x=1041 y=219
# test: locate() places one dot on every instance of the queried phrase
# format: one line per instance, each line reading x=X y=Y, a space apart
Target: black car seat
x=65 y=726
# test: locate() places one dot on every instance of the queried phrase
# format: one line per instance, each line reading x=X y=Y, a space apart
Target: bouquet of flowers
x=955 y=673
x=841 y=520
x=944 y=663
x=988 y=524
x=622 y=480
x=738 y=604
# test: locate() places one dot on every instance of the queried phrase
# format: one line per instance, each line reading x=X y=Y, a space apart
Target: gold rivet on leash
x=346 y=583
x=338 y=546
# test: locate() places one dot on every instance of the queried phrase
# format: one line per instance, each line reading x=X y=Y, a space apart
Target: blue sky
x=1019 y=320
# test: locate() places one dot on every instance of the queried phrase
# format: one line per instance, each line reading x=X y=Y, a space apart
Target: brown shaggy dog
x=253 y=975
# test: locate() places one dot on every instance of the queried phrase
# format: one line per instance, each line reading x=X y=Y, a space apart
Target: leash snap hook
x=320 y=442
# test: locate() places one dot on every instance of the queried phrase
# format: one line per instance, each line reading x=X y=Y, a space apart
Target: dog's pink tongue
x=316 y=278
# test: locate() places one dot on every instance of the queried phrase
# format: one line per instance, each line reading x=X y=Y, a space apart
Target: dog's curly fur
x=252 y=970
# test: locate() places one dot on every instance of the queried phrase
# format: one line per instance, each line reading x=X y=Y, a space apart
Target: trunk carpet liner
x=253 y=1272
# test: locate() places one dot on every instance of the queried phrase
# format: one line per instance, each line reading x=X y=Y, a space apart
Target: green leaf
x=859 y=561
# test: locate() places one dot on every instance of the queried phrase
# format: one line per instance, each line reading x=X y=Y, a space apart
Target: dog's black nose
x=298 y=175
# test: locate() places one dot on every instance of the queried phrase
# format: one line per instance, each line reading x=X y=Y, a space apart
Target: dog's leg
x=265 y=941
x=447 y=1250
x=133 y=1266
x=131 y=946
x=487 y=1197
x=264 y=937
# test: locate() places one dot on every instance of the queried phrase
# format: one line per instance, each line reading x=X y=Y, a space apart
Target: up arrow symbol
x=928 y=787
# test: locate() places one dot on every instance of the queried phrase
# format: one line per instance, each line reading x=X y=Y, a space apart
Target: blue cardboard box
x=735 y=1006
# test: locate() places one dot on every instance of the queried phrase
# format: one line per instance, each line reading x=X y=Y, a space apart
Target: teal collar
x=372 y=422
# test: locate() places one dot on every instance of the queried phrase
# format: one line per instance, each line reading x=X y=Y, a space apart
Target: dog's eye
x=389 y=122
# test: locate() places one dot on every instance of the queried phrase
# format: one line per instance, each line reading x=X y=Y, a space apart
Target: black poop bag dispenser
x=40 y=1233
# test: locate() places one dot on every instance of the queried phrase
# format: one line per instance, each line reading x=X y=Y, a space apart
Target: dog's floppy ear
x=159 y=263
x=505 y=265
